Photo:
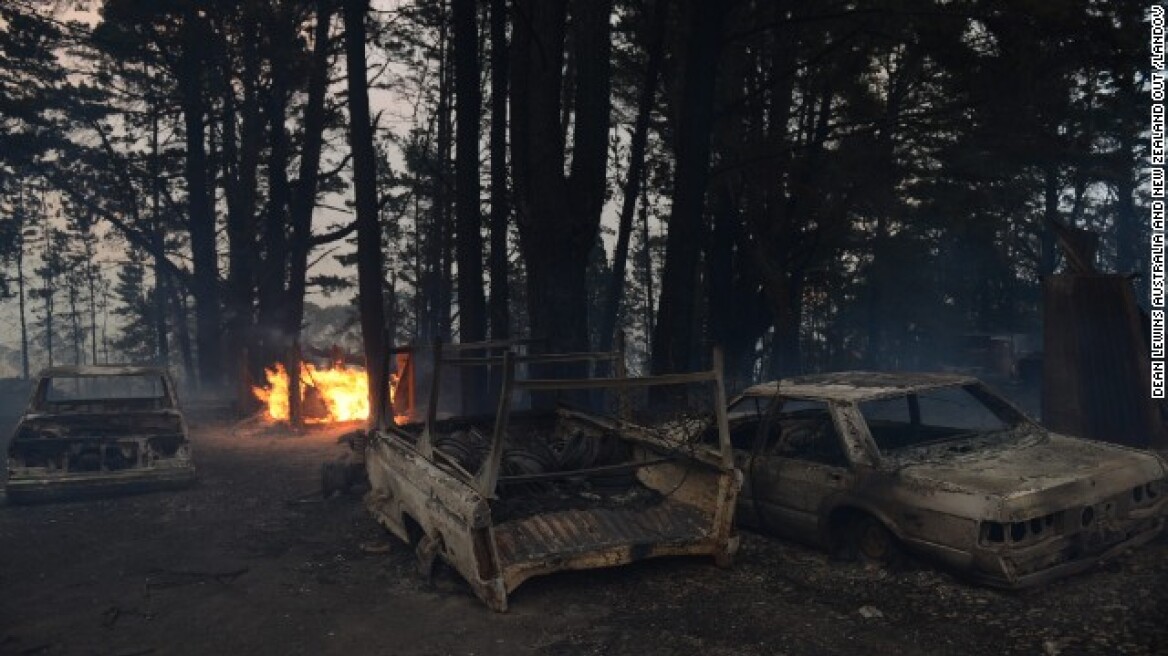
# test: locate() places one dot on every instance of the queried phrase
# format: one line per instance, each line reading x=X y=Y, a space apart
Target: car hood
x=1027 y=471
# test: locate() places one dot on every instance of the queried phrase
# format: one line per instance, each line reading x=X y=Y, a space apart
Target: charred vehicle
x=96 y=430
x=526 y=492
x=942 y=466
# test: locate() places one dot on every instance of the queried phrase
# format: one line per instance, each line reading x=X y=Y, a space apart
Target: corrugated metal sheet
x=567 y=532
x=1096 y=365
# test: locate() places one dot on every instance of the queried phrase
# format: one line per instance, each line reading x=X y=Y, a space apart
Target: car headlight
x=1022 y=532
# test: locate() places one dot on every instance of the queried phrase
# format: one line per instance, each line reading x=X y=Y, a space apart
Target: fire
x=328 y=395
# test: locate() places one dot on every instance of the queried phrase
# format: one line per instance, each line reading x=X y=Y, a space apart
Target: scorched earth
x=252 y=561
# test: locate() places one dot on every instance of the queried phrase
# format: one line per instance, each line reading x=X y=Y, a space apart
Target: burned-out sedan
x=940 y=465
x=99 y=430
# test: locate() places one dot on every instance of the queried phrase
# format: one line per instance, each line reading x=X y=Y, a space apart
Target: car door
x=745 y=417
x=798 y=463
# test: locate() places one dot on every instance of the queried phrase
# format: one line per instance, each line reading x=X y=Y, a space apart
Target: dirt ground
x=251 y=561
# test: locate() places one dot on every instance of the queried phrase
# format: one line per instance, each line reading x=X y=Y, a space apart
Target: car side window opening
x=804 y=430
x=931 y=416
x=744 y=417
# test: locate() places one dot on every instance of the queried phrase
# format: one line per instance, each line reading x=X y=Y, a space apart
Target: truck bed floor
x=572 y=531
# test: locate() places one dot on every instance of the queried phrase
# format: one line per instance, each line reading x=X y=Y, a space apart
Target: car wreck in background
x=943 y=466
x=99 y=430
x=524 y=492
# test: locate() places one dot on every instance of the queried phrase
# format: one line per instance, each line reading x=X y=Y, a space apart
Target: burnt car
x=876 y=464
x=99 y=430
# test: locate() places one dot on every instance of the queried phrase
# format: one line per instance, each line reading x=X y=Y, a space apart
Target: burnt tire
x=869 y=541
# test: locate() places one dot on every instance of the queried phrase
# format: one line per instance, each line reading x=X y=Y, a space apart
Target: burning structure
x=332 y=393
x=328 y=394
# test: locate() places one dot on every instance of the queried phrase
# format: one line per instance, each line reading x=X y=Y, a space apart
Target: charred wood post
x=295 y=399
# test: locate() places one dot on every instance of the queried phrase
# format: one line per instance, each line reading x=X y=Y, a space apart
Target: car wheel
x=872 y=542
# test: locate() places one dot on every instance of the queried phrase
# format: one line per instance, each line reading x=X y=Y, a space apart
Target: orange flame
x=343 y=394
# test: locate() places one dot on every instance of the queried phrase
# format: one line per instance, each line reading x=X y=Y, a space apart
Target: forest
x=812 y=186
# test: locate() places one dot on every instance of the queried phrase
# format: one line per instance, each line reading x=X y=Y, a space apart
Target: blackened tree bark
x=1127 y=226
x=500 y=209
x=273 y=275
x=436 y=284
x=559 y=216
x=471 y=303
x=673 y=332
x=179 y=317
x=443 y=198
x=738 y=312
x=158 y=234
x=1049 y=243
x=656 y=54
x=20 y=219
x=241 y=168
x=369 y=278
x=888 y=180
x=200 y=220
x=472 y=310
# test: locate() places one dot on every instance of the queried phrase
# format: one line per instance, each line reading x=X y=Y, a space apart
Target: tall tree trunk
x=241 y=192
x=559 y=217
x=672 y=336
x=91 y=281
x=273 y=279
x=201 y=220
x=178 y=310
x=471 y=304
x=435 y=284
x=158 y=237
x=1127 y=241
x=303 y=200
x=786 y=356
x=656 y=54
x=647 y=274
x=888 y=175
x=500 y=297
x=369 y=276
x=443 y=225
x=75 y=321
x=1049 y=251
x=472 y=310
x=48 y=289
x=20 y=284
x=719 y=258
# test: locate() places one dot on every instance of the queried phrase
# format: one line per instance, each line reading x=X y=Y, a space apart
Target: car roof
x=102 y=370
x=857 y=385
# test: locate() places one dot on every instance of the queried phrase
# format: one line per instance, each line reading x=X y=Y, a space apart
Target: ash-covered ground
x=252 y=561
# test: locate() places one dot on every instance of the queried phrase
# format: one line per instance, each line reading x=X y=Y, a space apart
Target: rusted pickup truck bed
x=641 y=495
